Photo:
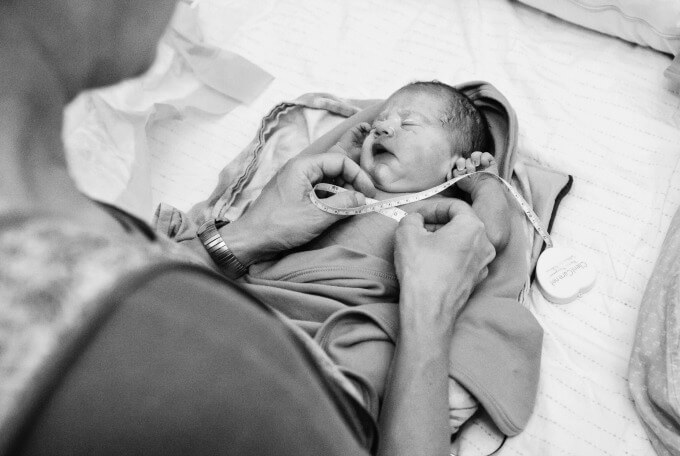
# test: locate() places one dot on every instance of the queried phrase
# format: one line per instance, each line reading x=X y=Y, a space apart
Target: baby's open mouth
x=380 y=149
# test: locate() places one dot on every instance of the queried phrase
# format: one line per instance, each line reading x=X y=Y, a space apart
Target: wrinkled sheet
x=588 y=105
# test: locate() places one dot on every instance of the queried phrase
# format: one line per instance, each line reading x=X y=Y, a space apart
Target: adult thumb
x=345 y=200
x=413 y=221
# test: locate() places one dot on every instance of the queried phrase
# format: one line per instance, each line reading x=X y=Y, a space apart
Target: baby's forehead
x=415 y=103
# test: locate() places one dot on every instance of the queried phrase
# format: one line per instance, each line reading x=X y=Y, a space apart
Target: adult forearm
x=414 y=416
x=414 y=420
x=437 y=272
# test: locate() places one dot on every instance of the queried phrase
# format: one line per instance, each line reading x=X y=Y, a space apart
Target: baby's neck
x=383 y=195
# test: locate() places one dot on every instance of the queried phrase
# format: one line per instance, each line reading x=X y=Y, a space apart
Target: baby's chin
x=387 y=181
x=383 y=178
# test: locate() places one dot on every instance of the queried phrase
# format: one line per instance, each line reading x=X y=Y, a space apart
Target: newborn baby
x=424 y=131
x=427 y=133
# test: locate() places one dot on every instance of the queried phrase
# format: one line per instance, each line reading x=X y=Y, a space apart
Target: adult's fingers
x=441 y=212
x=432 y=227
x=333 y=165
x=345 y=200
x=412 y=221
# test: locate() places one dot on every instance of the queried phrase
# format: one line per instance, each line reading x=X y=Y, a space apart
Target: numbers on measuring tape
x=389 y=207
x=562 y=274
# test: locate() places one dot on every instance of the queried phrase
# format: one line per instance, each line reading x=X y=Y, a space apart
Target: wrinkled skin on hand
x=442 y=252
x=284 y=217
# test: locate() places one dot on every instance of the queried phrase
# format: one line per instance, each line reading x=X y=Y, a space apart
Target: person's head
x=89 y=43
x=421 y=132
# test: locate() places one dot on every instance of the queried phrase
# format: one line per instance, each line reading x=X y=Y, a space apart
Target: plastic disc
x=563 y=275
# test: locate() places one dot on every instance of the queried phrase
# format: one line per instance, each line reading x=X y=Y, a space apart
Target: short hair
x=468 y=126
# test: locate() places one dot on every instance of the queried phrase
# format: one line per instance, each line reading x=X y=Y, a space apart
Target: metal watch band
x=218 y=250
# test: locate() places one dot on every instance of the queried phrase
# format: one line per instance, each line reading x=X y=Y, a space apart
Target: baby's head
x=417 y=138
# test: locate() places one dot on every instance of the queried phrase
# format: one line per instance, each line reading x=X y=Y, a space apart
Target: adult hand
x=441 y=254
x=284 y=217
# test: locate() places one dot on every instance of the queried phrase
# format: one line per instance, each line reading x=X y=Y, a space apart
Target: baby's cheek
x=384 y=176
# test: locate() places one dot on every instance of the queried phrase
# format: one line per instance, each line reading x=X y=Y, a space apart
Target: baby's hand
x=488 y=195
x=478 y=161
x=352 y=141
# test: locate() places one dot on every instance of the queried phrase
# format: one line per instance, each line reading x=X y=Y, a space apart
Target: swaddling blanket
x=350 y=297
x=325 y=284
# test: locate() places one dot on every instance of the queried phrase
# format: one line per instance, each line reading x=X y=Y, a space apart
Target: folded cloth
x=509 y=339
x=654 y=371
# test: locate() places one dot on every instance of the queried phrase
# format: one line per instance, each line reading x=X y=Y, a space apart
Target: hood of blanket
x=502 y=121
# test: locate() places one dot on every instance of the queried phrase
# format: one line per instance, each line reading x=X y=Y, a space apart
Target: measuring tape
x=389 y=207
x=563 y=275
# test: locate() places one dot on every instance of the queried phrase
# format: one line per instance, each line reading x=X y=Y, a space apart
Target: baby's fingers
x=487 y=160
x=469 y=166
x=476 y=158
x=459 y=168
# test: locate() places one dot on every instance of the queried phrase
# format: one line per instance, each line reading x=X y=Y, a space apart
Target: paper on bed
x=105 y=131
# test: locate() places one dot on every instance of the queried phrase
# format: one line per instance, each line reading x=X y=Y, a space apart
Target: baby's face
x=409 y=149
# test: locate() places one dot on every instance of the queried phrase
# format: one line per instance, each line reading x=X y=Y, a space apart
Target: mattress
x=588 y=105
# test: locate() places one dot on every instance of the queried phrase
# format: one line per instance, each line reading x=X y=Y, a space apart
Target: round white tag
x=563 y=275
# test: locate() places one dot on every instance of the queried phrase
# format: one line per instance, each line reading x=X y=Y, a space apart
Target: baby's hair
x=466 y=121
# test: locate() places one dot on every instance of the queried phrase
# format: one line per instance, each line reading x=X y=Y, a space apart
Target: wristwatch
x=218 y=250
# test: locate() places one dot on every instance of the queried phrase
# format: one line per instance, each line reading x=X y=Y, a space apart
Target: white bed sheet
x=588 y=105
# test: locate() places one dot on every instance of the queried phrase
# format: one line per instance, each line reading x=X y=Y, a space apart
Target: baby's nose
x=384 y=129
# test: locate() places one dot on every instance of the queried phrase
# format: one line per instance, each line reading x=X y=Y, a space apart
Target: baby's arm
x=489 y=197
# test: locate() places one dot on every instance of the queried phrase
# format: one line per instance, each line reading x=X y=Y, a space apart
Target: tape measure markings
x=389 y=207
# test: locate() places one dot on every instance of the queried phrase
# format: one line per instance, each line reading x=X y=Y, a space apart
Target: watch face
x=209 y=224
x=203 y=228
x=220 y=223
